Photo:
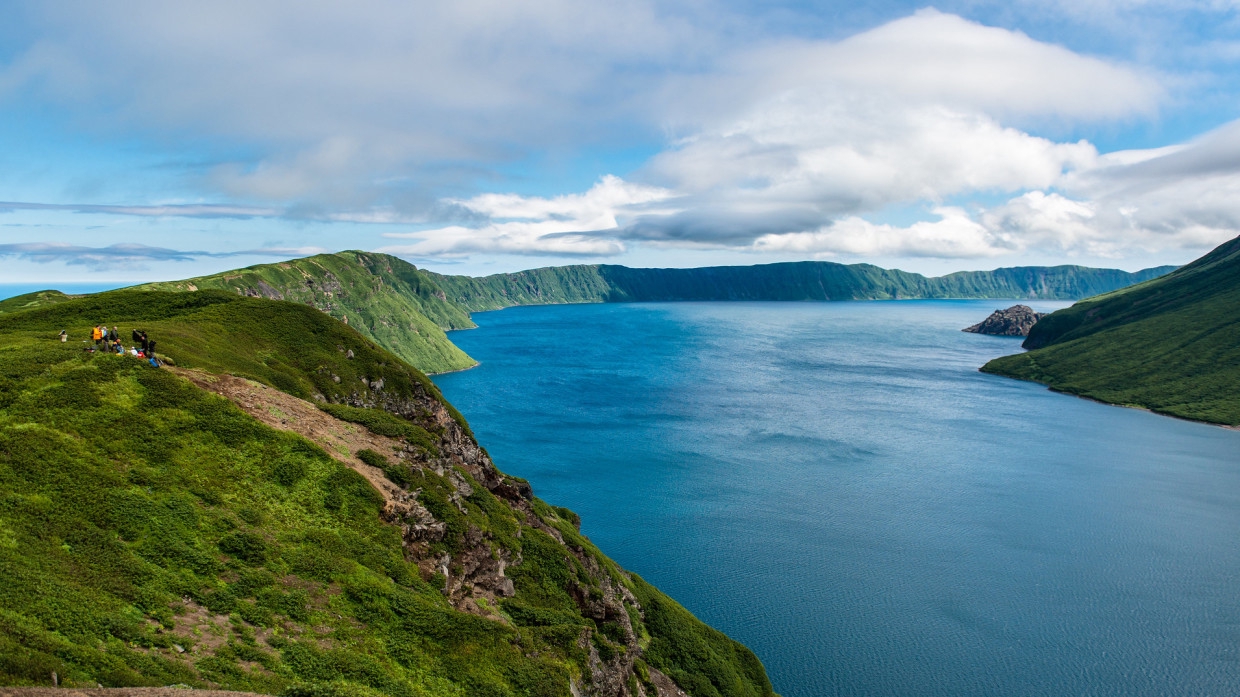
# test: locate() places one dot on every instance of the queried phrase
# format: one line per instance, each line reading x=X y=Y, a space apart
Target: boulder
x=1017 y=320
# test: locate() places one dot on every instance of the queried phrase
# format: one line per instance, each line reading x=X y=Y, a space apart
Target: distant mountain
x=1171 y=345
x=797 y=281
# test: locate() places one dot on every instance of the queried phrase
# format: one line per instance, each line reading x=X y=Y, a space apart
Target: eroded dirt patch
x=277 y=409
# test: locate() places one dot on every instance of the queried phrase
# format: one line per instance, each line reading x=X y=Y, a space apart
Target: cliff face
x=1017 y=320
x=1171 y=344
x=294 y=507
x=796 y=281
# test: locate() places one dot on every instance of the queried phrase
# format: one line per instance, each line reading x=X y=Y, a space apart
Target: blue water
x=836 y=486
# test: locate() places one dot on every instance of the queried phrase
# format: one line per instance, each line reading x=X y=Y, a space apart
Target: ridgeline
x=1171 y=345
x=294 y=509
x=407 y=310
x=795 y=281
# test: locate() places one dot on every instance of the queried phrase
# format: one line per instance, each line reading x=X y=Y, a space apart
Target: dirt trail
x=277 y=409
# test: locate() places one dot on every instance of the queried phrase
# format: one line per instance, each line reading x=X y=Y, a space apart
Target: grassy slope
x=130 y=499
x=788 y=281
x=1171 y=344
x=32 y=300
x=384 y=298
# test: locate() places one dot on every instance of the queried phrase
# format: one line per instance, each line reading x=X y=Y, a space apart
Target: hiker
x=115 y=335
x=120 y=348
x=142 y=340
x=137 y=336
x=97 y=335
x=64 y=336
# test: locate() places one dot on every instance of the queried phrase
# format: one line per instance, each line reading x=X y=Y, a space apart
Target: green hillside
x=153 y=532
x=1171 y=345
x=32 y=300
x=385 y=298
x=798 y=281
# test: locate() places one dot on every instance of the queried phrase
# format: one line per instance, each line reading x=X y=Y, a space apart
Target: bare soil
x=277 y=409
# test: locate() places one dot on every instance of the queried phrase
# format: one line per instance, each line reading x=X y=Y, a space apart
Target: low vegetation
x=154 y=533
x=1171 y=345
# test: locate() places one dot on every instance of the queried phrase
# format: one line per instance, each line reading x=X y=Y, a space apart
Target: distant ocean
x=837 y=486
x=9 y=290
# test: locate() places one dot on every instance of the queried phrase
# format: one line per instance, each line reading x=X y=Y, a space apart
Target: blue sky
x=152 y=140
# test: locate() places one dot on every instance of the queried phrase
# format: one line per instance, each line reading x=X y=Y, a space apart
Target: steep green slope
x=545 y=286
x=1171 y=345
x=1042 y=282
x=154 y=533
x=811 y=280
x=383 y=297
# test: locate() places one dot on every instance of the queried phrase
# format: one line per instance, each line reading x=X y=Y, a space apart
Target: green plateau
x=1170 y=345
x=288 y=507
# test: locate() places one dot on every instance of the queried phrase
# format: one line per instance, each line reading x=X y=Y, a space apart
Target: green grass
x=132 y=502
x=1171 y=345
x=32 y=300
x=386 y=299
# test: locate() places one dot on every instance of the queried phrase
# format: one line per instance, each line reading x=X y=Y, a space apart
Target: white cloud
x=371 y=112
x=938 y=58
x=349 y=105
x=954 y=235
x=566 y=225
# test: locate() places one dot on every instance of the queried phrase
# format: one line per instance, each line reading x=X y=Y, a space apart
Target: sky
x=144 y=140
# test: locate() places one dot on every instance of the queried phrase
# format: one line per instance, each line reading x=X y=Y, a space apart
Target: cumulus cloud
x=929 y=58
x=819 y=134
x=574 y=225
x=128 y=256
x=954 y=235
x=351 y=105
x=384 y=112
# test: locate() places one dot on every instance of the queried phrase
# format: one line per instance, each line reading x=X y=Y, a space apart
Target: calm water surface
x=836 y=486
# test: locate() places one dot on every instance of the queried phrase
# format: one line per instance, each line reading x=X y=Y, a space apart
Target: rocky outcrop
x=1017 y=320
x=474 y=577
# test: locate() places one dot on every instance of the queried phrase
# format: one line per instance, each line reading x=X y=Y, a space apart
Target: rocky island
x=1017 y=320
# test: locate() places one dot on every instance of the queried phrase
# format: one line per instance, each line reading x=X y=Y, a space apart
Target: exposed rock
x=474 y=573
x=1017 y=320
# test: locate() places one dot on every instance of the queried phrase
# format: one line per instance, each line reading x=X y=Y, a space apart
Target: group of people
x=109 y=341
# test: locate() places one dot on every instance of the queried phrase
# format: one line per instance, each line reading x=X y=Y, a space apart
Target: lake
x=836 y=486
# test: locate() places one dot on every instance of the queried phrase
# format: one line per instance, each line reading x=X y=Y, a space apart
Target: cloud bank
x=398 y=114
x=822 y=136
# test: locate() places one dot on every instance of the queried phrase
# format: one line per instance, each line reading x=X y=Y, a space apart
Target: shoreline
x=1096 y=400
